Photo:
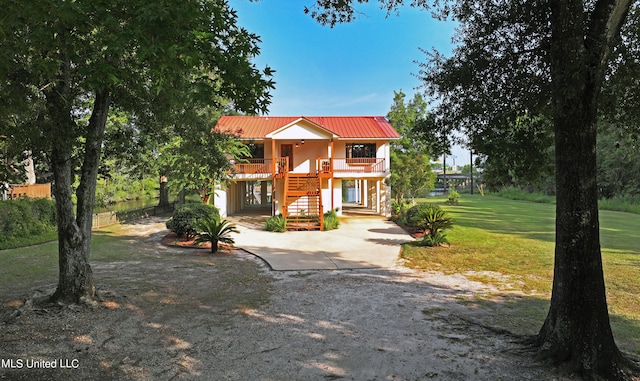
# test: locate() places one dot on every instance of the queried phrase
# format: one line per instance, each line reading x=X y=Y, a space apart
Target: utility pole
x=444 y=171
x=471 y=169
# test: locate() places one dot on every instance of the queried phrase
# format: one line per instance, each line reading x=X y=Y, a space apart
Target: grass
x=629 y=204
x=510 y=244
x=519 y=194
x=31 y=266
x=29 y=240
x=27 y=268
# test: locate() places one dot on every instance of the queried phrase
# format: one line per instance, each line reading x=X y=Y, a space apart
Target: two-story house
x=305 y=160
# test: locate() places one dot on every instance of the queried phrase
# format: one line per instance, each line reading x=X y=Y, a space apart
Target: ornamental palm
x=214 y=231
x=435 y=221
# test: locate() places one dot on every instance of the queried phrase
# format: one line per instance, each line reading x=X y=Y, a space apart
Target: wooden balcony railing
x=356 y=165
x=253 y=166
x=261 y=166
x=324 y=165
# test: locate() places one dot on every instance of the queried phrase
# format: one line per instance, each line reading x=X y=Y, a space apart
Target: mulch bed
x=413 y=231
x=172 y=239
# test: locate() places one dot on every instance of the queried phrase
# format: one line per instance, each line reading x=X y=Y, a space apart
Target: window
x=361 y=150
x=257 y=150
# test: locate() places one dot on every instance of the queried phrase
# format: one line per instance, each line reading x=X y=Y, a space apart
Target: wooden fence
x=110 y=218
x=33 y=191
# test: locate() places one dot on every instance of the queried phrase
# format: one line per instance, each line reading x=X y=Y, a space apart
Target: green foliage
x=520 y=153
x=331 y=220
x=398 y=209
x=11 y=162
x=198 y=158
x=520 y=194
x=26 y=221
x=67 y=64
x=629 y=204
x=618 y=162
x=118 y=187
x=453 y=198
x=275 y=224
x=414 y=215
x=430 y=218
x=435 y=240
x=186 y=218
x=434 y=220
x=211 y=229
x=411 y=171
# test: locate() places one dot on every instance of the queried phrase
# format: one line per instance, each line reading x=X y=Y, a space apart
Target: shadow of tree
x=168 y=313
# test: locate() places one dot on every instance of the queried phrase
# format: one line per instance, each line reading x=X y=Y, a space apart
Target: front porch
x=359 y=195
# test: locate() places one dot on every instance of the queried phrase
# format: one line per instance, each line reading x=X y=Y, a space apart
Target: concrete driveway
x=359 y=243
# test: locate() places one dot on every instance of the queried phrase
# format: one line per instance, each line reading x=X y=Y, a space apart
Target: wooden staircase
x=303 y=202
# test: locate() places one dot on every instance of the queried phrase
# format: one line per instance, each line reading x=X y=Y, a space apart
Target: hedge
x=27 y=221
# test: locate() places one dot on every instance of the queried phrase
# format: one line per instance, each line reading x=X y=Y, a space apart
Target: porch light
x=302 y=141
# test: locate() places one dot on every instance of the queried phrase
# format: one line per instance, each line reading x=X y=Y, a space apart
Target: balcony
x=325 y=167
x=352 y=167
x=260 y=168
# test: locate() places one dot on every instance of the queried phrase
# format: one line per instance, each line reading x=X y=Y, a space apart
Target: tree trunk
x=75 y=283
x=214 y=246
x=577 y=329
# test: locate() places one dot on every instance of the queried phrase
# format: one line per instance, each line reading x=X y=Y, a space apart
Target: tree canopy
x=67 y=64
x=411 y=172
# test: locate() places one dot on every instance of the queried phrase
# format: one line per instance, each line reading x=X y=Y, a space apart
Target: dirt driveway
x=183 y=314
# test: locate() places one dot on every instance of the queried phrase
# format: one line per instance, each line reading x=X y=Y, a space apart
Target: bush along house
x=302 y=167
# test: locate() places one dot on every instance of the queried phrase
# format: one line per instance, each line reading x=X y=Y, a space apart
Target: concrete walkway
x=359 y=243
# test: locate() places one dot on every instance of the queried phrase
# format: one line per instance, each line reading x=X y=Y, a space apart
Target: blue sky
x=352 y=69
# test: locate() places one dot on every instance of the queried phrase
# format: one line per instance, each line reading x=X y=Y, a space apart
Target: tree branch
x=607 y=19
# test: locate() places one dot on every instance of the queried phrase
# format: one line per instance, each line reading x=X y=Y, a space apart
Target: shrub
x=26 y=222
x=331 y=220
x=397 y=208
x=435 y=221
x=185 y=218
x=213 y=230
x=435 y=240
x=413 y=215
x=275 y=224
x=453 y=198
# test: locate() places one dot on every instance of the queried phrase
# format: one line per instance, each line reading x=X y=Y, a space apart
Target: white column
x=378 y=198
x=365 y=193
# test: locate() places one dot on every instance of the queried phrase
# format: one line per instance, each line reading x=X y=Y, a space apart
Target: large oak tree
x=549 y=58
x=145 y=58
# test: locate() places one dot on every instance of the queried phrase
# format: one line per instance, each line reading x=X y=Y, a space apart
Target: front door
x=286 y=150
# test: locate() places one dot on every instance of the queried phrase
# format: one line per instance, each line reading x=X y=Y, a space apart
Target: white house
x=304 y=161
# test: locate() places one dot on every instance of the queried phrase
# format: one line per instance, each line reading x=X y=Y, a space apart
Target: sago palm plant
x=215 y=231
x=434 y=222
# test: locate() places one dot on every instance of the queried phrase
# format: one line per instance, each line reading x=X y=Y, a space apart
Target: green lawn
x=510 y=244
x=34 y=266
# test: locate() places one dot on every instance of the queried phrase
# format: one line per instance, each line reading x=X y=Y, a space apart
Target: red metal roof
x=346 y=127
